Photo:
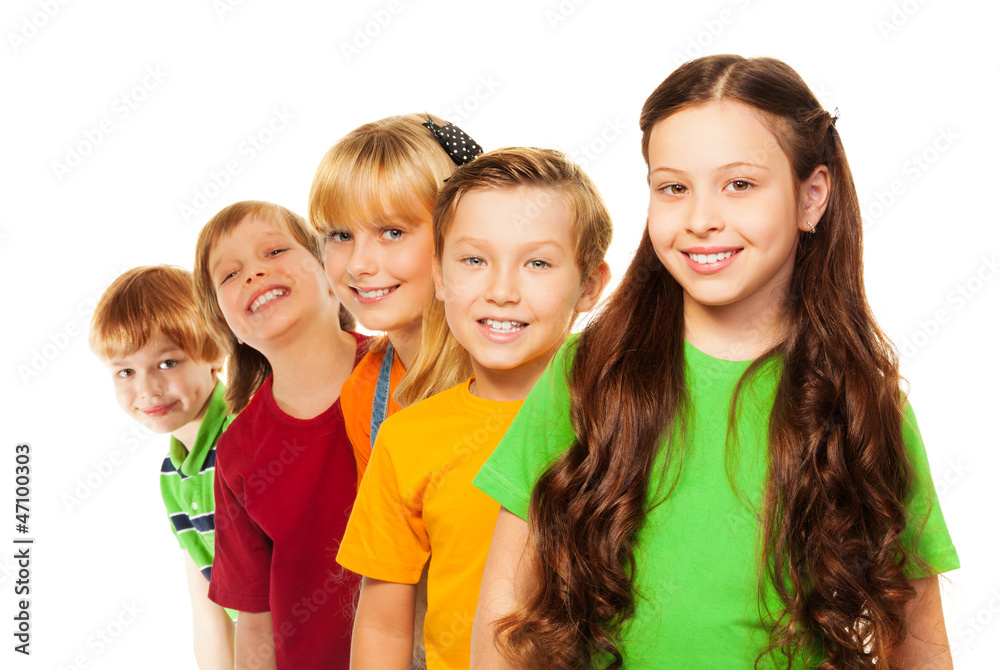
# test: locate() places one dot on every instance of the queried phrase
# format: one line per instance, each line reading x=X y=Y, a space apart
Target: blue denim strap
x=380 y=403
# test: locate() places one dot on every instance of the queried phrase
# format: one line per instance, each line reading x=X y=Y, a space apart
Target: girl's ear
x=439 y=291
x=815 y=195
x=593 y=287
x=217 y=365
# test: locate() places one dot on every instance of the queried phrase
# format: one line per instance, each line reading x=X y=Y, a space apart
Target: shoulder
x=248 y=421
x=362 y=379
x=426 y=414
x=362 y=345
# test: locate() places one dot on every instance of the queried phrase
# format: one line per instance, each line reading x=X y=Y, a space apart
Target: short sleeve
x=241 y=570
x=385 y=537
x=926 y=534
x=541 y=432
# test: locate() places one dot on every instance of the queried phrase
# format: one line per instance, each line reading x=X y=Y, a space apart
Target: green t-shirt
x=696 y=582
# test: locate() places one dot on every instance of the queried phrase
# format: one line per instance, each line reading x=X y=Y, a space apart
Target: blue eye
x=126 y=373
x=338 y=236
x=474 y=261
x=167 y=364
x=392 y=234
x=538 y=264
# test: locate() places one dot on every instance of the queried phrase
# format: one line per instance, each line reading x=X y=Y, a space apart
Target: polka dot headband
x=454 y=141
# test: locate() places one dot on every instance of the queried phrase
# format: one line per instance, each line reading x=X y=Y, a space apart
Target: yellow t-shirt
x=417 y=500
x=356 y=398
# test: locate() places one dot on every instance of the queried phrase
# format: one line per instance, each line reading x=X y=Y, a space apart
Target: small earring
x=812 y=228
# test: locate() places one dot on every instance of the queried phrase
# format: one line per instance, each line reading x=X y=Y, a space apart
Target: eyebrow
x=478 y=241
x=721 y=168
x=160 y=353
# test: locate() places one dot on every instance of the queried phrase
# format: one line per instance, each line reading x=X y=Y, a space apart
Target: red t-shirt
x=284 y=488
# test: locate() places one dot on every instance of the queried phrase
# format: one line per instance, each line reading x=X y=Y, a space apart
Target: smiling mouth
x=704 y=259
x=503 y=326
x=158 y=411
x=375 y=293
x=266 y=298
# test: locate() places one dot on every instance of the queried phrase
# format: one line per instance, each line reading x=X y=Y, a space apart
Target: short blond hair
x=148 y=300
x=441 y=357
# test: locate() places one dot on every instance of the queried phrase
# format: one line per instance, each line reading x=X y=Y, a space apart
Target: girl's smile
x=370 y=296
x=710 y=260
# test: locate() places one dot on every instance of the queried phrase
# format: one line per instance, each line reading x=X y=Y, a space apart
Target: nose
x=149 y=385
x=363 y=262
x=705 y=216
x=503 y=287
x=250 y=276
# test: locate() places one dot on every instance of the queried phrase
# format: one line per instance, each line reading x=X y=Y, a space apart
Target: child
x=164 y=362
x=722 y=471
x=519 y=243
x=371 y=200
x=286 y=476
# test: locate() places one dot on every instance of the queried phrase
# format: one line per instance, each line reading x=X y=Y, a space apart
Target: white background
x=905 y=75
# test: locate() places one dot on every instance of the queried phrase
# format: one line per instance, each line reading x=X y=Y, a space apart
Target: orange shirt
x=417 y=502
x=356 y=397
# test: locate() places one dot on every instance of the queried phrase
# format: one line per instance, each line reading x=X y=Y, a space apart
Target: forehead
x=251 y=230
x=712 y=135
x=156 y=346
x=379 y=215
x=525 y=214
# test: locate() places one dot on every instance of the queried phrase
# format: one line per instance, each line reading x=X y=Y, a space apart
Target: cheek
x=230 y=311
x=335 y=263
x=123 y=397
x=414 y=265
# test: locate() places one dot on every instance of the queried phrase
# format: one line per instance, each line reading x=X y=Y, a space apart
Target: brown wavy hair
x=248 y=368
x=838 y=477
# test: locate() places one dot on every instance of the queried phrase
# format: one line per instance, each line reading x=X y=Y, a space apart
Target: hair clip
x=459 y=146
x=834 y=115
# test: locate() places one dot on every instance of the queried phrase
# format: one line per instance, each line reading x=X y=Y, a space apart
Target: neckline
x=699 y=359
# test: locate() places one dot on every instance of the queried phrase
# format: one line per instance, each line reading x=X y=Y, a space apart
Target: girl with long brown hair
x=722 y=472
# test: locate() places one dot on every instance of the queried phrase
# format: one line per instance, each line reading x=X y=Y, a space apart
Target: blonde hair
x=379 y=171
x=147 y=300
x=392 y=167
x=441 y=356
x=248 y=367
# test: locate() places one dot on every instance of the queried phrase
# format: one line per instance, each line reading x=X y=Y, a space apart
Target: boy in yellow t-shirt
x=519 y=242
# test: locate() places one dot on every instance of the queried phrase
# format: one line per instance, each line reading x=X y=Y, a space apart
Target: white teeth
x=267 y=297
x=709 y=258
x=498 y=325
x=378 y=293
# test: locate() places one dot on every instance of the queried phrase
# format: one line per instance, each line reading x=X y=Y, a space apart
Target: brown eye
x=740 y=185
